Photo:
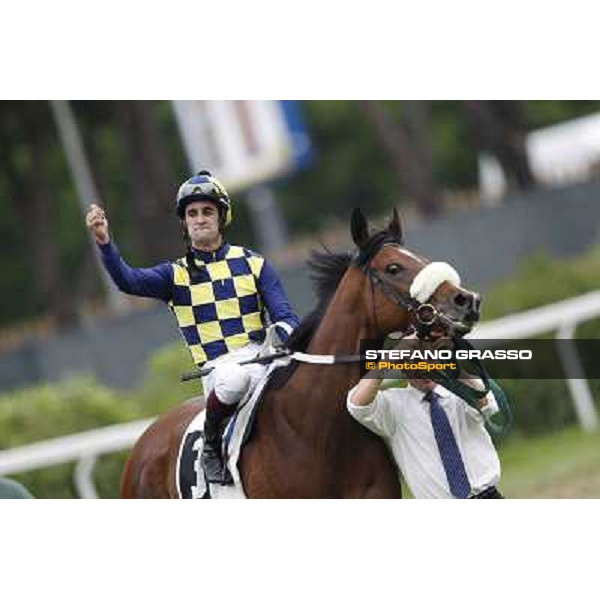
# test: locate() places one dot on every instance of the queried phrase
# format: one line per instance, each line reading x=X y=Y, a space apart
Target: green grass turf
x=560 y=465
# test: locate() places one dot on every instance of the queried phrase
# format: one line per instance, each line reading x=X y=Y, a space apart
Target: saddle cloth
x=190 y=479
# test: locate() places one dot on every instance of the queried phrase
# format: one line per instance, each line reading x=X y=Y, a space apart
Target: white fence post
x=579 y=388
x=84 y=477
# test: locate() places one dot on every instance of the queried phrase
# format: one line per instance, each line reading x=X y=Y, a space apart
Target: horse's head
x=405 y=290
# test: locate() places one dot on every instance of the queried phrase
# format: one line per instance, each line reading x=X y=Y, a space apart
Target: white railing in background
x=562 y=317
x=84 y=448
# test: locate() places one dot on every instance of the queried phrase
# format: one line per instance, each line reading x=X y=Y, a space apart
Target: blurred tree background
x=418 y=155
x=373 y=154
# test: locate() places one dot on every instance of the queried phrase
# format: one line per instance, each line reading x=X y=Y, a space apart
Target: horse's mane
x=326 y=270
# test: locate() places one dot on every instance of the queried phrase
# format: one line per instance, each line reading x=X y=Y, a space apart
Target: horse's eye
x=393 y=269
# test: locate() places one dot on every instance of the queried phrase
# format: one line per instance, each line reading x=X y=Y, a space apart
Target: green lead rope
x=498 y=426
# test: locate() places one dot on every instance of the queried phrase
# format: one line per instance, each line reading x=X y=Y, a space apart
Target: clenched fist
x=96 y=222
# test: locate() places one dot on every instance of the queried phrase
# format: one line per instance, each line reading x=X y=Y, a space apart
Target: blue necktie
x=448 y=448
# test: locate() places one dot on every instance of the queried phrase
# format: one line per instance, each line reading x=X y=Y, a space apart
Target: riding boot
x=215 y=421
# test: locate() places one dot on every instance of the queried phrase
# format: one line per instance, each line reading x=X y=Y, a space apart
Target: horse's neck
x=316 y=407
x=342 y=328
x=345 y=322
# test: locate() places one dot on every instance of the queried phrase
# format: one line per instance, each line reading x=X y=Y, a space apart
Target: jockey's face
x=202 y=224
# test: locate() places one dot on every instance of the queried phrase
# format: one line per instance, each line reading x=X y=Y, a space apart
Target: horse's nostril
x=472 y=317
x=460 y=300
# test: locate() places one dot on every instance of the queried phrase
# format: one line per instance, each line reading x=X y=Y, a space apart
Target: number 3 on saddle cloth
x=191 y=482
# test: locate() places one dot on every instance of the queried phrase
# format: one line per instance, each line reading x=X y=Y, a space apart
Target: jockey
x=218 y=293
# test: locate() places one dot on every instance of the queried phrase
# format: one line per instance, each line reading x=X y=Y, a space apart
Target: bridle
x=423 y=315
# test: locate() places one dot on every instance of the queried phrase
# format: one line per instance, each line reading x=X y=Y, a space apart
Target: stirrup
x=215 y=469
x=226 y=478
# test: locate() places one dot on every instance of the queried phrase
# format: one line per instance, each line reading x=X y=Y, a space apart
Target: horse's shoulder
x=280 y=376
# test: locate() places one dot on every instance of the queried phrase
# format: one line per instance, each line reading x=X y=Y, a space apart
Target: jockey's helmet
x=204 y=186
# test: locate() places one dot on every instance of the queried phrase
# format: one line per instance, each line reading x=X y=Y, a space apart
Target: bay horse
x=304 y=443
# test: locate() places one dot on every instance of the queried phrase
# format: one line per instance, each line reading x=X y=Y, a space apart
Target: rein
x=313 y=359
x=472 y=396
x=468 y=394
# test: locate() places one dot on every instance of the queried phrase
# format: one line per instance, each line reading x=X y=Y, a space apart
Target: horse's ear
x=395 y=227
x=359 y=228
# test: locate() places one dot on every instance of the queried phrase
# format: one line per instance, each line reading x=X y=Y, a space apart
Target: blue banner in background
x=301 y=142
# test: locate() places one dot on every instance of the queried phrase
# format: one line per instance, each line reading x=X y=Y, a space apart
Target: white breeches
x=231 y=381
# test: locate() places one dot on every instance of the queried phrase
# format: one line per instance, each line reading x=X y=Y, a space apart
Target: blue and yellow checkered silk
x=220 y=309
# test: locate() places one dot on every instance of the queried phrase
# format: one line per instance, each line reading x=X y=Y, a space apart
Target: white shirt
x=402 y=418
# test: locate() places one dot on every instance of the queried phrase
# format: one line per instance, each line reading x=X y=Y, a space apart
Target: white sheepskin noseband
x=430 y=278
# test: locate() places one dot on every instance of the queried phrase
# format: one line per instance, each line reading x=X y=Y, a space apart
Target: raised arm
x=153 y=282
x=364 y=392
x=371 y=407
